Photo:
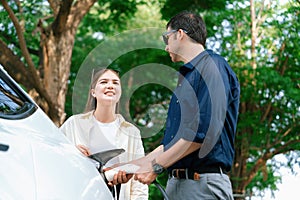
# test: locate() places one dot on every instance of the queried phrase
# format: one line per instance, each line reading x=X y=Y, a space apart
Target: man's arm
x=156 y=152
x=179 y=150
x=145 y=174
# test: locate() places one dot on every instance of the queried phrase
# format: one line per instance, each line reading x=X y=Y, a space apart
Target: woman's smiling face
x=108 y=88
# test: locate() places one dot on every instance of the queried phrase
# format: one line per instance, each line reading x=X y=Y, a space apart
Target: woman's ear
x=93 y=92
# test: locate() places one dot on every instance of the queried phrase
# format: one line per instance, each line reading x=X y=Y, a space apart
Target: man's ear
x=181 y=33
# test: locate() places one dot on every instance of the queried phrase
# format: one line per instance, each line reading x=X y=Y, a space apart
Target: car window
x=14 y=104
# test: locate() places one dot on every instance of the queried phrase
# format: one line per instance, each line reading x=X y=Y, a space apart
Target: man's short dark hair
x=192 y=23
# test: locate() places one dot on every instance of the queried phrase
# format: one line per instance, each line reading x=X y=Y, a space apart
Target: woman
x=100 y=128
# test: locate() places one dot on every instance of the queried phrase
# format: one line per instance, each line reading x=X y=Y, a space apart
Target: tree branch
x=260 y=10
x=261 y=18
x=21 y=41
x=55 y=5
x=287 y=132
x=253 y=33
x=8 y=38
x=79 y=10
x=288 y=146
x=282 y=48
x=14 y=66
x=284 y=65
x=31 y=67
x=268 y=109
x=60 y=22
x=280 y=137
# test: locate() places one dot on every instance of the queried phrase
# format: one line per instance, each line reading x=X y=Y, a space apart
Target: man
x=197 y=149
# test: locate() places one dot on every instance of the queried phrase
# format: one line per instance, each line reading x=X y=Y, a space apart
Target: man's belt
x=194 y=174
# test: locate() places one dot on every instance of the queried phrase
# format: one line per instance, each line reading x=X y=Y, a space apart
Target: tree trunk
x=239 y=170
x=48 y=85
x=57 y=52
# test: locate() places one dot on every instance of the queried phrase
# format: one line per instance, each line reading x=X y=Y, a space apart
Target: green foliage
x=265 y=179
x=270 y=176
x=172 y=7
x=209 y=10
x=31 y=15
x=269 y=121
x=104 y=20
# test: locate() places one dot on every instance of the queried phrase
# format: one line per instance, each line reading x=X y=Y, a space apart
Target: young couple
x=202 y=117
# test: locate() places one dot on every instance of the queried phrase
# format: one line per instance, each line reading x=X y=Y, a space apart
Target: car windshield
x=10 y=102
x=14 y=104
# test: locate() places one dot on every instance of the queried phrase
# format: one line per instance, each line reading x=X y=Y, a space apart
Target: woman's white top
x=84 y=129
x=105 y=138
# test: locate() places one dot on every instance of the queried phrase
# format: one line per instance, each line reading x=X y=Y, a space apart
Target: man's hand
x=145 y=178
x=145 y=173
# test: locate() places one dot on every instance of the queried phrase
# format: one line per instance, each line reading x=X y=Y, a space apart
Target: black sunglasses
x=166 y=35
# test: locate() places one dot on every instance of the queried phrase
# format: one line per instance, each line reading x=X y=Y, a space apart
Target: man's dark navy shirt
x=206 y=100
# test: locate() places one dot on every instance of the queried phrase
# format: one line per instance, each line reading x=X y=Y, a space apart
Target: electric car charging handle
x=103 y=157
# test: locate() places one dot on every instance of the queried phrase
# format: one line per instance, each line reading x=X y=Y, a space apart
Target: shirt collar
x=190 y=65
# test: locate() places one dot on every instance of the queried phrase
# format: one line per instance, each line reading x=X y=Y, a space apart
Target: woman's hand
x=120 y=177
x=83 y=149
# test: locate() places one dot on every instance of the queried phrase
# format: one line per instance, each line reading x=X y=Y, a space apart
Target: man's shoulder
x=212 y=54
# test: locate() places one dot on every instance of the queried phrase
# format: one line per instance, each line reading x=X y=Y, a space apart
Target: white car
x=37 y=162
